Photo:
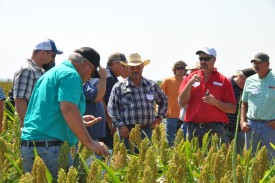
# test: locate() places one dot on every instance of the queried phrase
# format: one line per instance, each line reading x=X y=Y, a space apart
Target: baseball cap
x=260 y=57
x=195 y=66
x=92 y=56
x=208 y=50
x=47 y=44
x=118 y=57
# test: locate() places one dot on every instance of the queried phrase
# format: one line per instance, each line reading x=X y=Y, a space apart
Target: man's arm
x=21 y=108
x=185 y=94
x=243 y=121
x=101 y=85
x=74 y=120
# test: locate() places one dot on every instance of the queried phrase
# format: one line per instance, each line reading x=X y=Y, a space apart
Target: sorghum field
x=155 y=162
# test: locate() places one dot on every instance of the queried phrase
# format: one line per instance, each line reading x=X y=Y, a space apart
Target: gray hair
x=77 y=58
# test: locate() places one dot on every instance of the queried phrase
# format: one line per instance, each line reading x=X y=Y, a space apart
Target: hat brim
x=193 y=68
x=58 y=52
x=145 y=62
x=257 y=60
x=123 y=63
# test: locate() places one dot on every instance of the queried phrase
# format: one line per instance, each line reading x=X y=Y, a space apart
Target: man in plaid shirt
x=133 y=101
x=2 y=98
x=25 y=78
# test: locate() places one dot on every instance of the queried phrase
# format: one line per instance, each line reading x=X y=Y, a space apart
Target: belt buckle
x=201 y=125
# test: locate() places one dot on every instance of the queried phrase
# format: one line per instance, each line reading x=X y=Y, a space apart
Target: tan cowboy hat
x=135 y=60
x=196 y=66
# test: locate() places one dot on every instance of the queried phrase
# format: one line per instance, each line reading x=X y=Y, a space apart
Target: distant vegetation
x=6 y=86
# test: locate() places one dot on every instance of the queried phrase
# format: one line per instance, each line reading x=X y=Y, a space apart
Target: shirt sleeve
x=161 y=101
x=112 y=107
x=23 y=84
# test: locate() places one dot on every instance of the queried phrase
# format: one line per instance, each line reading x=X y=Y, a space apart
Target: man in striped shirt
x=237 y=84
x=133 y=101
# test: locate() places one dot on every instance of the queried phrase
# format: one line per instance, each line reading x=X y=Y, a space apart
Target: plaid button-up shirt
x=130 y=105
x=25 y=79
x=2 y=95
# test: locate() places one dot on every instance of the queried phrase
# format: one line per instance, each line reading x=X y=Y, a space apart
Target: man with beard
x=209 y=96
x=133 y=101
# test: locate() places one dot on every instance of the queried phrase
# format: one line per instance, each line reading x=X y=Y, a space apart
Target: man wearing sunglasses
x=209 y=96
x=25 y=78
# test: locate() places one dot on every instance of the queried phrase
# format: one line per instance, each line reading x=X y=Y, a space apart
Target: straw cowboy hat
x=196 y=66
x=135 y=60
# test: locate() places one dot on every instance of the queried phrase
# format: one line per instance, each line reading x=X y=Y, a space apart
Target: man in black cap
x=237 y=84
x=257 y=110
x=114 y=70
x=55 y=110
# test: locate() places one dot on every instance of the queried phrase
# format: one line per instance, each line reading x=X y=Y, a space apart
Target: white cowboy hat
x=196 y=66
x=135 y=60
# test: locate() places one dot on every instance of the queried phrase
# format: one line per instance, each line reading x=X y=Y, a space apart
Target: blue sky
x=163 y=31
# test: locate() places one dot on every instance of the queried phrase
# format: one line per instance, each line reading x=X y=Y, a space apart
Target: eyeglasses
x=93 y=69
x=180 y=68
x=205 y=59
x=52 y=53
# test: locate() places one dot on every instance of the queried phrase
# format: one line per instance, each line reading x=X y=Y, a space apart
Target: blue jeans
x=147 y=131
x=184 y=129
x=49 y=156
x=171 y=125
x=260 y=133
x=229 y=136
x=195 y=130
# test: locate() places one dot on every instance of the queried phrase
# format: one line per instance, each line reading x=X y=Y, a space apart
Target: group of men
x=80 y=100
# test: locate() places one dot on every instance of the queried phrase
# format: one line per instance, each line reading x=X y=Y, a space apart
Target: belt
x=45 y=143
x=205 y=125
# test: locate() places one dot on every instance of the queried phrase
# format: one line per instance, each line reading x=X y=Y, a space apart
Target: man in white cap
x=209 y=96
x=25 y=78
x=258 y=109
x=132 y=101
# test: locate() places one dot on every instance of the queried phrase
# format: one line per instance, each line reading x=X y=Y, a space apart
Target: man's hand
x=209 y=99
x=99 y=148
x=90 y=120
x=271 y=124
x=156 y=122
x=195 y=78
x=244 y=126
x=124 y=132
x=112 y=129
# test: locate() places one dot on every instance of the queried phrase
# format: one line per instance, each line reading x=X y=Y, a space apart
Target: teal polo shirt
x=44 y=119
x=260 y=96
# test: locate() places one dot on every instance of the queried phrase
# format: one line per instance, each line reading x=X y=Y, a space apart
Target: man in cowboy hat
x=132 y=101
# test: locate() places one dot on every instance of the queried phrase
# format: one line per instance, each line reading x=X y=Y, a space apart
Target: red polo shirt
x=198 y=111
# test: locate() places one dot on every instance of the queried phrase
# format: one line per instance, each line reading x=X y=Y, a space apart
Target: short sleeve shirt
x=219 y=86
x=44 y=119
x=25 y=79
x=259 y=93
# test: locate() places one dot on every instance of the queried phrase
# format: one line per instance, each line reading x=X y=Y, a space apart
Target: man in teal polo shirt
x=54 y=114
x=258 y=109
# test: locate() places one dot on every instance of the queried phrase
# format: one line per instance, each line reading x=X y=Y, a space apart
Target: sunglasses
x=180 y=68
x=205 y=59
x=52 y=53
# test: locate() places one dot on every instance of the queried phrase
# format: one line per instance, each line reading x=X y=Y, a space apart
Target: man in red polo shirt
x=208 y=95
